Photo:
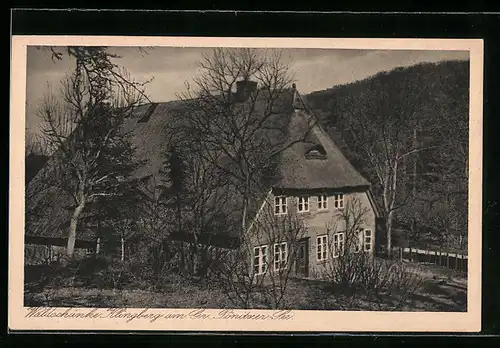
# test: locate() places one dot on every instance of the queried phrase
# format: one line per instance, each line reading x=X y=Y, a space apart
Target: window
x=50 y=253
x=338 y=200
x=321 y=247
x=338 y=244
x=358 y=245
x=316 y=152
x=280 y=255
x=260 y=259
x=303 y=204
x=279 y=205
x=368 y=240
x=322 y=202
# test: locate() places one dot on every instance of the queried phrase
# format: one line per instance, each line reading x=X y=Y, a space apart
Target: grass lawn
x=441 y=290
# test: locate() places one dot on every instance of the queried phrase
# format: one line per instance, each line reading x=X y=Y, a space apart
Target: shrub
x=116 y=275
x=385 y=283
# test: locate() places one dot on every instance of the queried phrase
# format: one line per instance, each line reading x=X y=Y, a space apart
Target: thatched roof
x=313 y=162
x=317 y=162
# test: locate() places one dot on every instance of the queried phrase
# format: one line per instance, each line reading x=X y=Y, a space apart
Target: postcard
x=245 y=184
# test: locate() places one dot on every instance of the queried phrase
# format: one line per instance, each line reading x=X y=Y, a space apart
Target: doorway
x=302 y=263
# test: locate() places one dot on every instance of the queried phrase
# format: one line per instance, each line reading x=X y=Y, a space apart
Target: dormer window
x=316 y=152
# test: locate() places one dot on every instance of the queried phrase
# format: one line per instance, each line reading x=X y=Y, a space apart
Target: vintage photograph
x=246 y=178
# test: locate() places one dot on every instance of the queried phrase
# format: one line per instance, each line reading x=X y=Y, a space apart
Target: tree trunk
x=98 y=246
x=388 y=226
x=182 y=255
x=245 y=205
x=72 y=230
x=122 y=257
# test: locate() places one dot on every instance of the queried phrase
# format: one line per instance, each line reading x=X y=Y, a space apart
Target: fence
x=439 y=258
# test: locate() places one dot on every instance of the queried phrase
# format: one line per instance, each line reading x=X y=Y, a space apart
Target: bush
x=116 y=275
x=385 y=283
x=100 y=272
x=390 y=280
x=105 y=272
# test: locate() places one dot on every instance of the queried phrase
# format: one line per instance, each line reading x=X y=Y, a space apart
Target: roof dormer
x=316 y=152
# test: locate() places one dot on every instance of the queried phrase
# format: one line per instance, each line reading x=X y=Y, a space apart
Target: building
x=313 y=181
x=318 y=186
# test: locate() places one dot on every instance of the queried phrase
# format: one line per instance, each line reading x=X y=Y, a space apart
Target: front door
x=302 y=264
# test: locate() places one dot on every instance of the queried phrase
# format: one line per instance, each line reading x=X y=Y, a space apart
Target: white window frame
x=304 y=202
x=322 y=247
x=280 y=202
x=338 y=244
x=322 y=202
x=259 y=259
x=338 y=200
x=280 y=253
x=368 y=236
x=50 y=252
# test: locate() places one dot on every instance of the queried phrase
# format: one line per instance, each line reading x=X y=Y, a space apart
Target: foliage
x=91 y=158
x=233 y=134
x=236 y=273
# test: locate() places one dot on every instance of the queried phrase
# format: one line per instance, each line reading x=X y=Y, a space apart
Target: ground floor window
x=338 y=244
x=260 y=259
x=321 y=247
x=363 y=240
x=280 y=255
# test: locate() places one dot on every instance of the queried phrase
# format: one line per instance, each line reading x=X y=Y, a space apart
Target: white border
x=320 y=321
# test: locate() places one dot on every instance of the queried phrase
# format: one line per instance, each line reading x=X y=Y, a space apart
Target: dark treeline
x=407 y=131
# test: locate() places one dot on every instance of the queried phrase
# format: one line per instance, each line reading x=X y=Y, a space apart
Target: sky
x=171 y=67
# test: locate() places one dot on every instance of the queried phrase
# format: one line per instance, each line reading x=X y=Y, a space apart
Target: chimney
x=244 y=89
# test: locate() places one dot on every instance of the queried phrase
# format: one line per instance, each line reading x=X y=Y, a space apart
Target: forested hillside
x=407 y=131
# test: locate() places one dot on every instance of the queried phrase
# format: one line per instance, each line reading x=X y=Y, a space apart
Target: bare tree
x=152 y=240
x=383 y=134
x=91 y=156
x=240 y=130
x=34 y=144
x=238 y=109
x=355 y=273
x=438 y=178
x=259 y=270
x=346 y=247
x=197 y=206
